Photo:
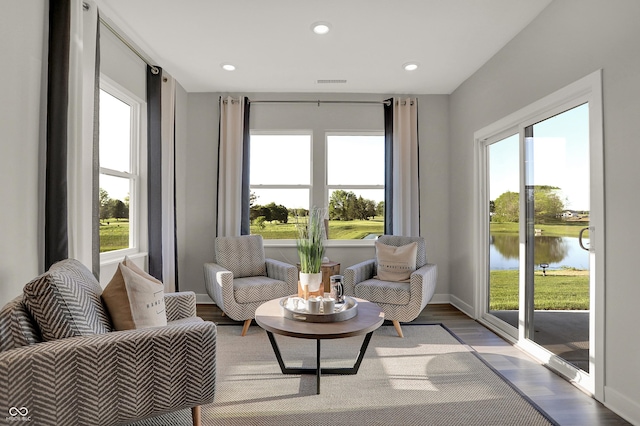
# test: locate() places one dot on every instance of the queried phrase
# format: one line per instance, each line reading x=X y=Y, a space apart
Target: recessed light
x=228 y=67
x=320 y=27
x=410 y=66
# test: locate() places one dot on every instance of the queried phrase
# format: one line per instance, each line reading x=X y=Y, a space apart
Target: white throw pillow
x=134 y=298
x=396 y=263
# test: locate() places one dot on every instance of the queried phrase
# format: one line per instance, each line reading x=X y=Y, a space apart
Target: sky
x=114 y=144
x=352 y=160
x=560 y=148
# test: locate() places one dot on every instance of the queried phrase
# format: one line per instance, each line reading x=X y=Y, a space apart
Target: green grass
x=338 y=230
x=560 y=229
x=114 y=235
x=559 y=290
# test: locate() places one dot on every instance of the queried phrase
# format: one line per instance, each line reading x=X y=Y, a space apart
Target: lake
x=558 y=252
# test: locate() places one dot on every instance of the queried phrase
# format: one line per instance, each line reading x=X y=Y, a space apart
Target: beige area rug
x=427 y=378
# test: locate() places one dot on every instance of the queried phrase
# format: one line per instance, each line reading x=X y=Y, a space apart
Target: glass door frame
x=586 y=90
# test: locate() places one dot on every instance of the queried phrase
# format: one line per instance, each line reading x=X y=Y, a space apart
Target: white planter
x=311 y=281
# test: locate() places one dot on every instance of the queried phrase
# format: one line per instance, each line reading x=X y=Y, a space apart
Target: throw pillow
x=396 y=263
x=65 y=302
x=134 y=298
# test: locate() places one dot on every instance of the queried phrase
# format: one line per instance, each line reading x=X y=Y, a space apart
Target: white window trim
x=138 y=172
x=587 y=89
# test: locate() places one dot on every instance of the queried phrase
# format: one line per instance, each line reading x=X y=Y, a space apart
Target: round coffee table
x=269 y=316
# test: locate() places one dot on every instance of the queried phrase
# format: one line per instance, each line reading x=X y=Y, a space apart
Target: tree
x=105 y=203
x=119 y=210
x=278 y=212
x=507 y=207
x=380 y=209
x=547 y=205
x=342 y=205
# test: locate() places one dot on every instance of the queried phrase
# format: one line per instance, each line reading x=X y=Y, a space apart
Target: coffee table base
x=318 y=371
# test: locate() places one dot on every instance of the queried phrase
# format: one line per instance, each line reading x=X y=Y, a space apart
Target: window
x=355 y=185
x=119 y=169
x=282 y=184
x=279 y=182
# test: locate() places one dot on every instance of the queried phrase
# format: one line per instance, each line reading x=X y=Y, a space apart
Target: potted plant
x=310 y=244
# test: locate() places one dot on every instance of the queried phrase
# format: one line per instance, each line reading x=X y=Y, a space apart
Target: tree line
x=547 y=205
x=343 y=205
x=112 y=209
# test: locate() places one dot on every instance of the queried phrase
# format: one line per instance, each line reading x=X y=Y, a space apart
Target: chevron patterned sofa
x=74 y=370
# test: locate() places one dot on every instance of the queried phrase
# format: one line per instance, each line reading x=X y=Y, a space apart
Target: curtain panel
x=154 y=170
x=169 y=252
x=233 y=168
x=402 y=177
x=71 y=155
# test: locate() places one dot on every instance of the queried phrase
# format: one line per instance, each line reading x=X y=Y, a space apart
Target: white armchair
x=400 y=301
x=242 y=278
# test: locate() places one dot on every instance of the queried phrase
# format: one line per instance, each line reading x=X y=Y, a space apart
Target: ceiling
x=274 y=50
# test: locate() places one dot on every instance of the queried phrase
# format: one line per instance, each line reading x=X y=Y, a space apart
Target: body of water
x=558 y=252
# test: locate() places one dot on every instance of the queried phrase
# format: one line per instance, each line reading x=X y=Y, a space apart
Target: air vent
x=331 y=81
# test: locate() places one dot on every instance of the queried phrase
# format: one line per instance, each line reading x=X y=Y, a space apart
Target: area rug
x=427 y=378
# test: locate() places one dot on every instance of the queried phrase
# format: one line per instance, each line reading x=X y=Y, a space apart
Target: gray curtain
x=154 y=167
x=246 y=140
x=388 y=167
x=95 y=211
x=56 y=243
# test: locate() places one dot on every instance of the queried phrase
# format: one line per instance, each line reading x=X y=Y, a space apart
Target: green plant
x=310 y=241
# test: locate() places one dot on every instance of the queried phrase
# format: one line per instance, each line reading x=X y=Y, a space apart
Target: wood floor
x=565 y=403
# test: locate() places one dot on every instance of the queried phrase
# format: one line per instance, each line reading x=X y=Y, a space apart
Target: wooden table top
x=269 y=316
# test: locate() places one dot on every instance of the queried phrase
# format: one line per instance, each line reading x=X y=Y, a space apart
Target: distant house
x=567 y=214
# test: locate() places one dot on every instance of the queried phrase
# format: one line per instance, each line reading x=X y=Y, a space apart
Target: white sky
x=560 y=158
x=115 y=138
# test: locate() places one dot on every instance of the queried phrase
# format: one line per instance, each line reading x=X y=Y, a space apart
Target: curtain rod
x=316 y=102
x=154 y=69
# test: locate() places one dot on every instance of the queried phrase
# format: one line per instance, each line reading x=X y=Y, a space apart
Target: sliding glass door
x=540 y=207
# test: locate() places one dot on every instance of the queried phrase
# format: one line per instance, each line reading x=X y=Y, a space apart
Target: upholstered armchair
x=92 y=374
x=241 y=279
x=400 y=301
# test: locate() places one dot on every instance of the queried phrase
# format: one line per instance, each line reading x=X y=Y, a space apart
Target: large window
x=288 y=175
x=119 y=169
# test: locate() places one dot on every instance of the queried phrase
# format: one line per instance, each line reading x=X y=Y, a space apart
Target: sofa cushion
x=65 y=302
x=258 y=289
x=134 y=298
x=395 y=263
x=387 y=292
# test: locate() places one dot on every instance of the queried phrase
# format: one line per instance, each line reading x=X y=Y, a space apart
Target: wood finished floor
x=565 y=403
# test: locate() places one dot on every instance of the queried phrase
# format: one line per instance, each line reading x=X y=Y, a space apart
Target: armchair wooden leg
x=245 y=327
x=396 y=324
x=195 y=415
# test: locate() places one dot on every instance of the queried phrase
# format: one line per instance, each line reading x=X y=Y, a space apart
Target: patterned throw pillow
x=65 y=302
x=134 y=298
x=396 y=263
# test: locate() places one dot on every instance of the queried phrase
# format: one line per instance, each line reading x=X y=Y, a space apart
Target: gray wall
x=568 y=40
x=200 y=152
x=23 y=31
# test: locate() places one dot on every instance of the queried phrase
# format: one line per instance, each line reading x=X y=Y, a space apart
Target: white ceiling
x=272 y=45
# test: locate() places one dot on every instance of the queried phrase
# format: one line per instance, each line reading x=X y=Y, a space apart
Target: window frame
x=319 y=170
x=136 y=175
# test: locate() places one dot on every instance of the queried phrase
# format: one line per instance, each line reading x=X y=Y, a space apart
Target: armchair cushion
x=396 y=263
x=393 y=293
x=65 y=302
x=134 y=298
x=252 y=261
x=258 y=289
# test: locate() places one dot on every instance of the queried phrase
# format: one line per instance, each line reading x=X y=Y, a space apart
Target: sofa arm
x=111 y=378
x=180 y=305
x=282 y=271
x=356 y=274
x=423 y=283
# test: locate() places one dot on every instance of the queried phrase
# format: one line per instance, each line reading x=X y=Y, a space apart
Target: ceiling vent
x=331 y=81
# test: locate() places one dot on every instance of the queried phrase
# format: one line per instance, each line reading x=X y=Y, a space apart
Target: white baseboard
x=622 y=405
x=463 y=306
x=204 y=299
x=439 y=299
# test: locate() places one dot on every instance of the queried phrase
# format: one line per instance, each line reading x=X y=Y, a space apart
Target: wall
x=568 y=40
x=23 y=31
x=201 y=170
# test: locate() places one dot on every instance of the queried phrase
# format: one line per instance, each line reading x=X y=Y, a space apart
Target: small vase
x=311 y=282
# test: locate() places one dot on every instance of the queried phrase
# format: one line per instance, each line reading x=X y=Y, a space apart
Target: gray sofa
x=104 y=378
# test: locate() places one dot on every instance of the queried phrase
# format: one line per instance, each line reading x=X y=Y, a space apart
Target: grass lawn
x=560 y=229
x=114 y=235
x=559 y=290
x=338 y=230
